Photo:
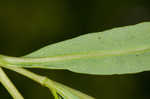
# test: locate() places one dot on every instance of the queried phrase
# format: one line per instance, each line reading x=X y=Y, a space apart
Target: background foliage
x=28 y=25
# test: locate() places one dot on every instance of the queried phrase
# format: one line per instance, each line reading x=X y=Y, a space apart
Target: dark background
x=27 y=25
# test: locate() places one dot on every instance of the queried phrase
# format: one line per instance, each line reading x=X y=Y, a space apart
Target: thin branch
x=9 y=85
x=38 y=78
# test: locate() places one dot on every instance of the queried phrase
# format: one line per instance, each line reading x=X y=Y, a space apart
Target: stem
x=54 y=87
x=9 y=85
x=38 y=78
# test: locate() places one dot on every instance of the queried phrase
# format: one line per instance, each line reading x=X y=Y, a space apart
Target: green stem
x=55 y=88
x=38 y=78
x=9 y=85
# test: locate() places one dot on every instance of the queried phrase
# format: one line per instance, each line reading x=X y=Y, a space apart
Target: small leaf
x=116 y=51
x=66 y=92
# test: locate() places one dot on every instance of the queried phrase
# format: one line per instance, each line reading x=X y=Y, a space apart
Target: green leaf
x=66 y=92
x=116 y=51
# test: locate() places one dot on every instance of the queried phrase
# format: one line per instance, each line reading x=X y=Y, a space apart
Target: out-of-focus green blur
x=27 y=25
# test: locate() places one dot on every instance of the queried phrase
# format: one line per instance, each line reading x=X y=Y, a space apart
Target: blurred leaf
x=65 y=92
x=116 y=51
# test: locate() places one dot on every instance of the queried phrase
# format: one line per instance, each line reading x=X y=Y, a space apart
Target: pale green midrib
x=16 y=60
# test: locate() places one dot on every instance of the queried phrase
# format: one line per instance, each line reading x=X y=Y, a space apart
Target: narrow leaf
x=66 y=92
x=116 y=51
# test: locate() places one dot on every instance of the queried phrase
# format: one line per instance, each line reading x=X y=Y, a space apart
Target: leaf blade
x=69 y=93
x=116 y=51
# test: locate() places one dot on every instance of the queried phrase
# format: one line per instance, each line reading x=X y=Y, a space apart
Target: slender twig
x=56 y=88
x=38 y=78
x=9 y=85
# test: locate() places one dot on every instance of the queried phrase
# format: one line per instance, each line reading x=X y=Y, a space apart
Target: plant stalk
x=9 y=85
x=37 y=78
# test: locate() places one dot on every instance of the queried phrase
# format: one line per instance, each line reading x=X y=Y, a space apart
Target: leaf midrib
x=74 y=56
